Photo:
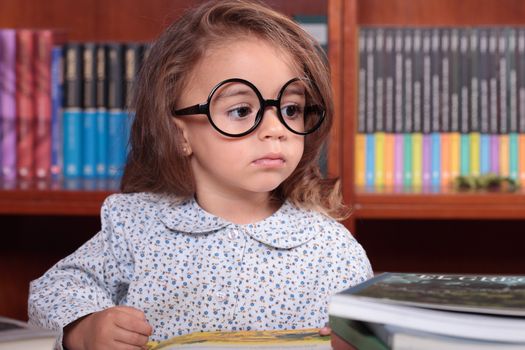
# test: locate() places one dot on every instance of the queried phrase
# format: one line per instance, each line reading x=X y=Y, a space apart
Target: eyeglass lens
x=235 y=105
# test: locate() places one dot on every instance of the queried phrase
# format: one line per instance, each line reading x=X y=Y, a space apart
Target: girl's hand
x=119 y=328
x=326 y=330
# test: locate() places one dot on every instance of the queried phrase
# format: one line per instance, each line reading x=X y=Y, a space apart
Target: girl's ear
x=185 y=142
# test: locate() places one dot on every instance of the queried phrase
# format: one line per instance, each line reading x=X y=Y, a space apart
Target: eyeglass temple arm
x=200 y=108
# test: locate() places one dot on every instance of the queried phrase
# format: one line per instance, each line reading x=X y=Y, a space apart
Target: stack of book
x=64 y=106
x=428 y=311
x=436 y=103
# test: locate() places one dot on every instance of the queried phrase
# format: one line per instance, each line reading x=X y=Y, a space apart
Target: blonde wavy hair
x=156 y=162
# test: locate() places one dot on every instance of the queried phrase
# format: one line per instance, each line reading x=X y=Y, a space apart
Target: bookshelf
x=396 y=226
x=42 y=224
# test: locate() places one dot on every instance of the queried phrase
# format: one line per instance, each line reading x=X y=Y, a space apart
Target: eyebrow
x=234 y=91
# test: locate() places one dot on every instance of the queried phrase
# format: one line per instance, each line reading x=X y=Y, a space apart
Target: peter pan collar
x=287 y=228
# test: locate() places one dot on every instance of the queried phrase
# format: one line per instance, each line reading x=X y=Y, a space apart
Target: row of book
x=64 y=107
x=436 y=103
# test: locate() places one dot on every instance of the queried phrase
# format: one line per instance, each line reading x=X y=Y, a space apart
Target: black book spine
x=389 y=80
x=426 y=83
x=513 y=93
x=474 y=80
x=493 y=81
x=73 y=76
x=464 y=100
x=503 y=82
x=408 y=94
x=361 y=121
x=435 y=67
x=445 y=79
x=521 y=80
x=454 y=80
x=484 y=80
x=417 y=80
x=370 y=127
x=399 y=105
x=133 y=61
x=101 y=77
x=379 y=74
x=116 y=95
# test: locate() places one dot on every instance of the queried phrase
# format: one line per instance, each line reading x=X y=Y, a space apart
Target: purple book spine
x=8 y=103
x=427 y=160
x=494 y=154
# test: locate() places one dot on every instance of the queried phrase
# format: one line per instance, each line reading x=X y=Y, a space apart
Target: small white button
x=232 y=235
x=221 y=296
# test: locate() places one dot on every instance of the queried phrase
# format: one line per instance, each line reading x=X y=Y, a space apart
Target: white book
x=18 y=335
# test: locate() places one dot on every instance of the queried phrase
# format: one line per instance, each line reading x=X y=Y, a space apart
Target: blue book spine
x=73 y=111
x=484 y=157
x=370 y=160
x=102 y=143
x=118 y=131
x=436 y=159
x=89 y=143
x=57 y=82
x=73 y=142
x=465 y=155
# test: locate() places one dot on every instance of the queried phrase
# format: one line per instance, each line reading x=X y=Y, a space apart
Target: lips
x=271 y=160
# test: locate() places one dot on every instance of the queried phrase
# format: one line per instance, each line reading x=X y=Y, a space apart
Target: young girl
x=224 y=222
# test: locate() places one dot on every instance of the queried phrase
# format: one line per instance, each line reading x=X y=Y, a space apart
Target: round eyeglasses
x=235 y=107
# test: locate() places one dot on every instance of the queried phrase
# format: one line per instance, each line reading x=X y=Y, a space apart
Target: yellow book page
x=249 y=340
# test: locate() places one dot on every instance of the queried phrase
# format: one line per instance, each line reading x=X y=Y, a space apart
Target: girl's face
x=254 y=164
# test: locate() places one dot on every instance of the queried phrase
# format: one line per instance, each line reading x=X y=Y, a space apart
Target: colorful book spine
x=102 y=116
x=8 y=104
x=118 y=116
x=503 y=104
x=420 y=107
x=521 y=105
x=89 y=111
x=389 y=144
x=493 y=101
x=57 y=86
x=435 y=156
x=455 y=92
x=484 y=139
x=73 y=111
x=379 y=115
x=132 y=63
x=445 y=107
x=370 y=101
x=25 y=97
x=45 y=40
x=408 y=117
x=398 y=109
x=360 y=153
x=513 y=104
x=464 y=110
x=473 y=59
x=360 y=139
x=427 y=108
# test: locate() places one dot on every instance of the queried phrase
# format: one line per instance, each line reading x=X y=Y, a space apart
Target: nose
x=271 y=127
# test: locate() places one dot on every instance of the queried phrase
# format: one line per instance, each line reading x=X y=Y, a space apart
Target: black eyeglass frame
x=204 y=108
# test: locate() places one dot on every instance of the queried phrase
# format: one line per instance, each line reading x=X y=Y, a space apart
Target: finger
x=130 y=338
x=325 y=331
x=131 y=311
x=133 y=324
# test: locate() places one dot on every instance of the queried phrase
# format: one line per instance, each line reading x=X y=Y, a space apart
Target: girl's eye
x=291 y=111
x=241 y=112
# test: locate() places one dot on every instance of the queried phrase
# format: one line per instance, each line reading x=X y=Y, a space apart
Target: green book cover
x=356 y=334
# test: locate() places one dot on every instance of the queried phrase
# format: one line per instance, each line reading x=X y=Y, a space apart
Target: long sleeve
x=93 y=278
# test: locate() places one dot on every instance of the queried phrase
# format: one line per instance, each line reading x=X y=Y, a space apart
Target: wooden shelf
x=428 y=204
x=80 y=199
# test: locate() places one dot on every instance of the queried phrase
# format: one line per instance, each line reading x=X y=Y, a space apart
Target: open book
x=474 y=307
x=18 y=335
x=302 y=339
